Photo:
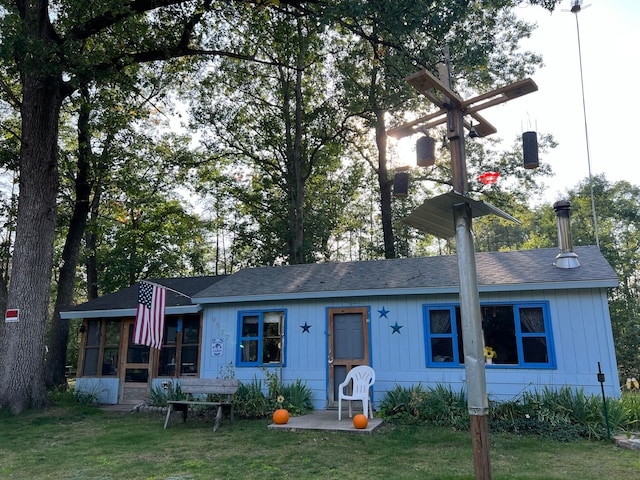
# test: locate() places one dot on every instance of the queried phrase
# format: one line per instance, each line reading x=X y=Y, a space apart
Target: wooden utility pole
x=453 y=110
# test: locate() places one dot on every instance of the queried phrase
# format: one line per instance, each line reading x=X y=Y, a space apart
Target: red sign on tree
x=12 y=315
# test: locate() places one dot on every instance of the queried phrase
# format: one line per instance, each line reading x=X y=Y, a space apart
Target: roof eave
x=326 y=294
x=605 y=283
x=574 y=285
x=127 y=312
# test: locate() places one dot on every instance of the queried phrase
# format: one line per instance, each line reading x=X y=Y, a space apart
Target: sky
x=609 y=33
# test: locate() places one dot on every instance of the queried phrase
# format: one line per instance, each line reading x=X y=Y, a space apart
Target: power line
x=576 y=7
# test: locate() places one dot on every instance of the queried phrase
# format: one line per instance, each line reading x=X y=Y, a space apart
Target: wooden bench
x=223 y=388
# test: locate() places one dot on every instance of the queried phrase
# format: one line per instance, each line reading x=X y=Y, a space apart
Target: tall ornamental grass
x=563 y=414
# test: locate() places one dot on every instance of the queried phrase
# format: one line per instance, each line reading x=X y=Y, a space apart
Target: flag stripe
x=149 y=327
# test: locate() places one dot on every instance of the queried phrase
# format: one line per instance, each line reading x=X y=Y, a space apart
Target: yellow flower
x=490 y=352
x=280 y=399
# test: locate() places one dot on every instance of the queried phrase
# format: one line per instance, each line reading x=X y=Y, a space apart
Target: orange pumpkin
x=360 y=421
x=281 y=416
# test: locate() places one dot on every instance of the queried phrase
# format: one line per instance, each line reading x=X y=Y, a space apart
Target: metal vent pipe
x=566 y=258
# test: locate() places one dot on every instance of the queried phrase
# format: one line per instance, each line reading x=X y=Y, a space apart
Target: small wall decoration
x=383 y=312
x=12 y=315
x=217 y=347
x=396 y=328
x=305 y=328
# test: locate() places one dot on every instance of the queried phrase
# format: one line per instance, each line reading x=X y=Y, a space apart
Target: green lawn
x=84 y=442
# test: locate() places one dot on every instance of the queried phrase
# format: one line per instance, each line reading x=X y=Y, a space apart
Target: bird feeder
x=425 y=151
x=530 y=150
x=489 y=177
x=401 y=184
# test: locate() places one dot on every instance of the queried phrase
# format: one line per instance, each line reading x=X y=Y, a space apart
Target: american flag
x=150 y=315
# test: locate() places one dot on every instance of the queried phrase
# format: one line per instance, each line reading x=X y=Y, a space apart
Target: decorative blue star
x=383 y=313
x=396 y=328
x=305 y=328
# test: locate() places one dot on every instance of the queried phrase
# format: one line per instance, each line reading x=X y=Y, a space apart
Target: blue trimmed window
x=518 y=333
x=261 y=339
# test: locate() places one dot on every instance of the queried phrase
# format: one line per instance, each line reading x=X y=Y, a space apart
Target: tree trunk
x=90 y=241
x=385 y=186
x=22 y=350
x=3 y=306
x=296 y=202
x=59 y=330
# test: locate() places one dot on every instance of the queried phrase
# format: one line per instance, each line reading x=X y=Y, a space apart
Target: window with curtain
x=519 y=334
x=261 y=339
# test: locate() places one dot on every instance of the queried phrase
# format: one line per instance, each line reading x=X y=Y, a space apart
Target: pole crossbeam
x=442 y=96
x=452 y=110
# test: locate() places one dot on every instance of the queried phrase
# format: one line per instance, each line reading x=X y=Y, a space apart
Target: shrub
x=160 y=395
x=447 y=407
x=297 y=398
x=415 y=405
x=251 y=402
x=403 y=404
x=61 y=395
x=565 y=414
x=630 y=404
x=87 y=397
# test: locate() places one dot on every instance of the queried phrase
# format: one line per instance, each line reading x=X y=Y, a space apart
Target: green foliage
x=400 y=403
x=72 y=396
x=438 y=405
x=88 y=396
x=159 y=395
x=250 y=401
x=297 y=398
x=565 y=415
x=630 y=404
x=61 y=396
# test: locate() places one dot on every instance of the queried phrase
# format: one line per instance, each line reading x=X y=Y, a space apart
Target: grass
x=82 y=442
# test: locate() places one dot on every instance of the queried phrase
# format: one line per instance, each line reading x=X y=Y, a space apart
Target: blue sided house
x=548 y=326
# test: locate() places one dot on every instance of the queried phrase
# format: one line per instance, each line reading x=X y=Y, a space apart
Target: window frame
x=179 y=345
x=260 y=337
x=456 y=335
x=452 y=335
x=100 y=347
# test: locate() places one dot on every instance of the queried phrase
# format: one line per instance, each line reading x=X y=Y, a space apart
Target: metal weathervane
x=451 y=214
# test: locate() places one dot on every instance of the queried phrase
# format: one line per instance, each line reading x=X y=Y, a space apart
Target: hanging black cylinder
x=401 y=184
x=530 y=149
x=425 y=151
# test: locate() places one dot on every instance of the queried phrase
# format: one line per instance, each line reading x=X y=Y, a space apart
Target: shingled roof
x=124 y=302
x=497 y=271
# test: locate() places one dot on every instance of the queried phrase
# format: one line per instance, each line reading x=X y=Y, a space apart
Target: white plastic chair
x=362 y=377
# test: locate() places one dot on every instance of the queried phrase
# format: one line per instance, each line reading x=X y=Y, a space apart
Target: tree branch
x=14 y=100
x=95 y=25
